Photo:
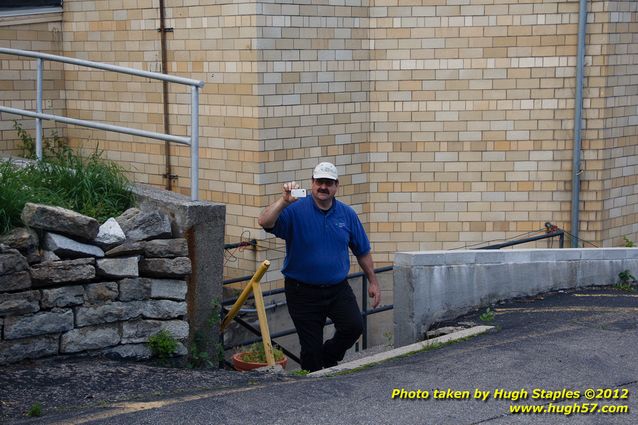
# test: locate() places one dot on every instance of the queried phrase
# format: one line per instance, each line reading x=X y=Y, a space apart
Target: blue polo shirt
x=317 y=242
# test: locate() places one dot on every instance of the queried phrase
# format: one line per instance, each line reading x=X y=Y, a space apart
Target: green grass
x=35 y=410
x=430 y=347
x=91 y=186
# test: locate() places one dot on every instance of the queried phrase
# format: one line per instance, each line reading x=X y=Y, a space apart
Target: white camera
x=298 y=193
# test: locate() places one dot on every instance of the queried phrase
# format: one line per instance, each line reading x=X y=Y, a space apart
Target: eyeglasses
x=327 y=182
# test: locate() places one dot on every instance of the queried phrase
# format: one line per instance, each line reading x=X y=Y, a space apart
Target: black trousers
x=309 y=306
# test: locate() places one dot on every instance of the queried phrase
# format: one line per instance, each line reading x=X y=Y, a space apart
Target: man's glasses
x=327 y=182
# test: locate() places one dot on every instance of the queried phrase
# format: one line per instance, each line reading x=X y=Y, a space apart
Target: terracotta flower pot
x=243 y=366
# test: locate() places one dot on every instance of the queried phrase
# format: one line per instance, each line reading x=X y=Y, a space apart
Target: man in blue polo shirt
x=319 y=231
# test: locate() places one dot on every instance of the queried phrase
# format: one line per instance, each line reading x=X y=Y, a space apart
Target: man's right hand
x=269 y=215
x=287 y=196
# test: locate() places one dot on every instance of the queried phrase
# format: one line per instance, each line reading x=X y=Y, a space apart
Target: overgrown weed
x=92 y=186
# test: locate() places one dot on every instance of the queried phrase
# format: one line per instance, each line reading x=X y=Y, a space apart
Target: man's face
x=324 y=189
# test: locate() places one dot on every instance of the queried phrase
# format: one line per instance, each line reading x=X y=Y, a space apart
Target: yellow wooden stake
x=261 y=270
x=263 y=323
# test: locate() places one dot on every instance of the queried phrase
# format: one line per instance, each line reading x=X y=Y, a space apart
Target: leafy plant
x=162 y=344
x=35 y=410
x=300 y=372
x=626 y=281
x=488 y=315
x=53 y=146
x=198 y=356
x=629 y=243
x=215 y=314
x=389 y=337
x=256 y=353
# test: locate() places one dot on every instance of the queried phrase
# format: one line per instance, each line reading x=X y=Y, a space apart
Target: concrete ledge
x=439 y=285
x=402 y=351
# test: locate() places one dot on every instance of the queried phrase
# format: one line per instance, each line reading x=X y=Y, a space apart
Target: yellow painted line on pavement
x=124 y=408
x=585 y=309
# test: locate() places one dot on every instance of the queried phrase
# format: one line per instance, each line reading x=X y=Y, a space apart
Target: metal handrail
x=365 y=312
x=560 y=233
x=192 y=141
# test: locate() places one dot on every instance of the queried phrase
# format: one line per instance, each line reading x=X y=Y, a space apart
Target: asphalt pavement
x=571 y=355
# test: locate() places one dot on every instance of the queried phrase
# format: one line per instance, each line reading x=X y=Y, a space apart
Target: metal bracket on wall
x=165 y=29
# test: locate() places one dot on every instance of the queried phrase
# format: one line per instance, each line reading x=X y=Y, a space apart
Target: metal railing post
x=364 y=311
x=38 y=108
x=195 y=144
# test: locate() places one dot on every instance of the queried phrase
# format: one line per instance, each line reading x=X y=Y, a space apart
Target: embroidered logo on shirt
x=341 y=225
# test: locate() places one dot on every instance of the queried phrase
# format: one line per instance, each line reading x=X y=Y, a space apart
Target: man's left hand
x=375 y=293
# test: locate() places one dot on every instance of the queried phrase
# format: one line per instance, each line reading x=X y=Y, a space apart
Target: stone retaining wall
x=440 y=285
x=69 y=286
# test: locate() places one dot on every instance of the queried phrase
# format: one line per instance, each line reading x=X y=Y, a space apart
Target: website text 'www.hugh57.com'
x=554 y=402
x=567 y=409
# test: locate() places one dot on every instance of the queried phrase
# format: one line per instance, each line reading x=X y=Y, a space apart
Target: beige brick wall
x=18 y=75
x=611 y=156
x=471 y=109
x=314 y=102
x=450 y=121
x=126 y=35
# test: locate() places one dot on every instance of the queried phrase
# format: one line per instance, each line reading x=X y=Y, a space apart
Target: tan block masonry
x=209 y=41
x=613 y=133
x=500 y=88
x=18 y=76
x=481 y=96
x=450 y=123
x=315 y=101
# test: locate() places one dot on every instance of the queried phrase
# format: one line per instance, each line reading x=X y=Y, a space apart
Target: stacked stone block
x=74 y=293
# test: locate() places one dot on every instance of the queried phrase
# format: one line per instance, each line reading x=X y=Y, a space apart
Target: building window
x=23 y=4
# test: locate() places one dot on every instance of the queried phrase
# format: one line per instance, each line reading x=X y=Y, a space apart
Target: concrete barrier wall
x=441 y=285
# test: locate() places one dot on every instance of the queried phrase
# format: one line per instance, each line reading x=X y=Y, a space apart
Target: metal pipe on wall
x=576 y=150
x=167 y=145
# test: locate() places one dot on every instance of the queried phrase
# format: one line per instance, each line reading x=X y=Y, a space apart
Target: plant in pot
x=254 y=357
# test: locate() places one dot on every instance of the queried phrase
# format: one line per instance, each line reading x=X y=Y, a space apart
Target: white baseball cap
x=325 y=170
